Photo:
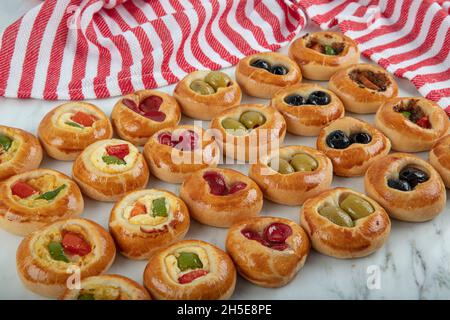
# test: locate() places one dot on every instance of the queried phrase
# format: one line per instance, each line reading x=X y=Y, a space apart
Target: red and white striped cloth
x=82 y=49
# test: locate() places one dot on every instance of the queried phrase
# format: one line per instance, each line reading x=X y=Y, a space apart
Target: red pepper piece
x=191 y=276
x=424 y=122
x=22 y=190
x=238 y=186
x=130 y=104
x=157 y=116
x=73 y=243
x=151 y=103
x=86 y=120
x=120 y=150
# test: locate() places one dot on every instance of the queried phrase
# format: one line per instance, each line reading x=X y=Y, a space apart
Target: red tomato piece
x=22 y=190
x=86 y=120
x=424 y=122
x=120 y=150
x=139 y=208
x=191 y=276
x=73 y=243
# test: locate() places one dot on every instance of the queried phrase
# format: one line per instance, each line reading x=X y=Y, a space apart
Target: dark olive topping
x=319 y=98
x=279 y=70
x=360 y=137
x=295 y=100
x=262 y=64
x=368 y=79
x=399 y=184
x=338 y=140
x=413 y=176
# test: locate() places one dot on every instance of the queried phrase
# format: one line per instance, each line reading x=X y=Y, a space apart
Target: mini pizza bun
x=103 y=177
x=139 y=229
x=363 y=87
x=69 y=128
x=206 y=105
x=260 y=263
x=107 y=287
x=220 y=197
x=365 y=236
x=55 y=196
x=137 y=116
x=315 y=64
x=406 y=135
x=261 y=83
x=190 y=270
x=20 y=151
x=440 y=158
x=49 y=275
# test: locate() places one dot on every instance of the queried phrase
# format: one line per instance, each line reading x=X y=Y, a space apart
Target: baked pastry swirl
x=363 y=88
x=249 y=131
x=440 y=158
x=220 y=197
x=137 y=116
x=146 y=220
x=107 y=287
x=174 y=153
x=262 y=74
x=292 y=175
x=320 y=54
x=20 y=151
x=204 y=94
x=343 y=223
x=108 y=169
x=412 y=124
x=30 y=200
x=268 y=251
x=352 y=145
x=69 y=128
x=190 y=270
x=60 y=253
x=307 y=108
x=406 y=186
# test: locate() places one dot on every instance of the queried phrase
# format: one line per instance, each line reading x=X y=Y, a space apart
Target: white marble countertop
x=413 y=264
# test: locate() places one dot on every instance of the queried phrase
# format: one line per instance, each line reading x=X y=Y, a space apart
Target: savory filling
x=185 y=141
x=274 y=236
x=148 y=107
x=331 y=49
x=218 y=185
x=349 y=210
x=413 y=112
x=408 y=179
x=318 y=98
x=102 y=292
x=338 y=139
x=114 y=158
x=211 y=83
x=248 y=121
x=77 y=120
x=187 y=264
x=377 y=81
x=276 y=69
x=38 y=191
x=8 y=147
x=300 y=162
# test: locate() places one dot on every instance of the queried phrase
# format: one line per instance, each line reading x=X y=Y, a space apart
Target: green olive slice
x=217 y=79
x=252 y=119
x=201 y=87
x=337 y=216
x=232 y=124
x=283 y=166
x=356 y=207
x=303 y=162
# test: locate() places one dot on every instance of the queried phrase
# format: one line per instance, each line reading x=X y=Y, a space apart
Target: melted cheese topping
x=148 y=219
x=65 y=117
x=44 y=183
x=172 y=262
x=104 y=292
x=130 y=159
x=8 y=155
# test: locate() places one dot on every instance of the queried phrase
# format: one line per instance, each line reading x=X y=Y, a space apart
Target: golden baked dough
x=307 y=119
x=107 y=287
x=190 y=270
x=353 y=160
x=425 y=201
x=146 y=220
x=406 y=133
x=249 y=144
x=137 y=116
x=310 y=53
x=363 y=87
x=295 y=187
x=20 y=151
x=365 y=236
x=208 y=105
x=61 y=253
x=30 y=200
x=266 y=263
x=220 y=197
x=108 y=169
x=259 y=82
x=440 y=158
x=174 y=153
x=69 y=128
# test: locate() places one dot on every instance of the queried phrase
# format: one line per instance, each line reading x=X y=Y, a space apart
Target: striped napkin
x=85 y=49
